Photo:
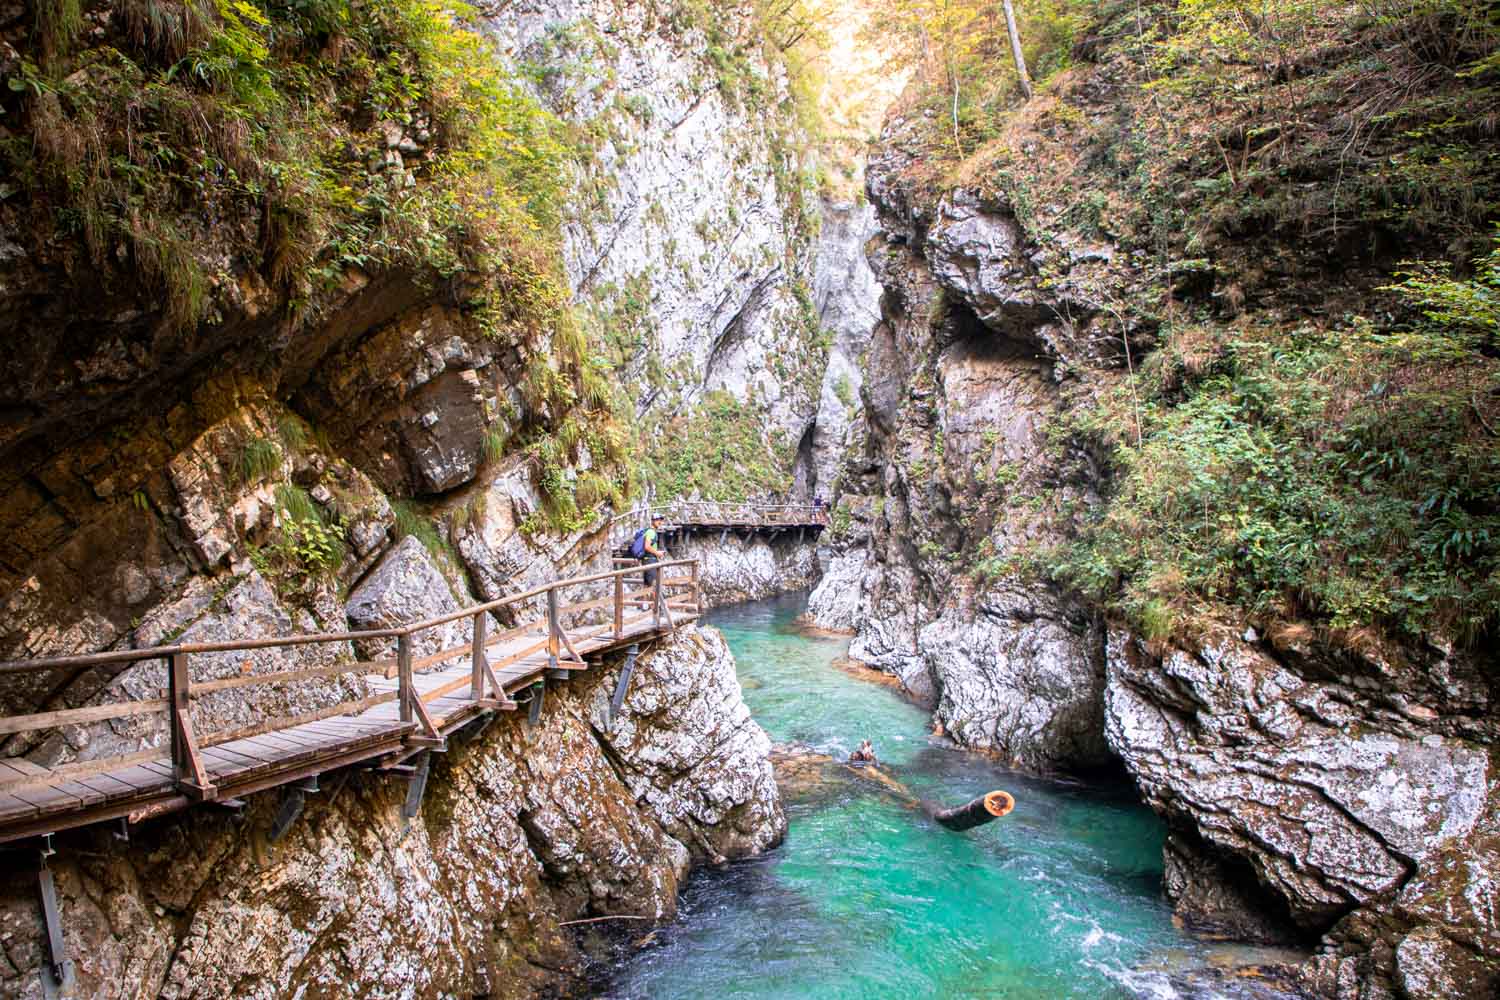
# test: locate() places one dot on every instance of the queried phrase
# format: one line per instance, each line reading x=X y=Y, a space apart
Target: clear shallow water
x=870 y=899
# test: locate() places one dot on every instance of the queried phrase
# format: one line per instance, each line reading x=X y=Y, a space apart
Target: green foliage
x=844 y=390
x=308 y=544
x=965 y=76
x=201 y=133
x=840 y=521
x=294 y=433
x=258 y=458
x=413 y=521
x=717 y=450
x=1347 y=476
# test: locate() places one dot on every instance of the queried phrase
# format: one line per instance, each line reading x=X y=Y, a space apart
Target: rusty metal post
x=476 y=658
x=403 y=671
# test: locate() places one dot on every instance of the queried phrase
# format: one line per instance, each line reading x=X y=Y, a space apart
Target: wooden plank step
x=111 y=787
x=143 y=779
x=19 y=767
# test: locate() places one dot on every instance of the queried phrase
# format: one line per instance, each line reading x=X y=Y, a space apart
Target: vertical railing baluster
x=476 y=658
x=178 y=692
x=619 y=605
x=554 y=629
x=656 y=611
x=192 y=777
x=403 y=671
x=697 y=589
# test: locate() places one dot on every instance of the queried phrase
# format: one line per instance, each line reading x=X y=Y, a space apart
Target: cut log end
x=999 y=803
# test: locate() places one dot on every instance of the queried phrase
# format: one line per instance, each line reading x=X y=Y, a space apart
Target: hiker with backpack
x=646 y=546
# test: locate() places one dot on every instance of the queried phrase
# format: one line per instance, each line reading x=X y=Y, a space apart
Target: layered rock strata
x=1312 y=792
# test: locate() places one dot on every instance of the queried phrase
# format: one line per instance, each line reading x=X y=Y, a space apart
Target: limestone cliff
x=386 y=423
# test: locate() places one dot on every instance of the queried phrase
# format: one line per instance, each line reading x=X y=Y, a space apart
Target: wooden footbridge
x=687 y=517
x=412 y=705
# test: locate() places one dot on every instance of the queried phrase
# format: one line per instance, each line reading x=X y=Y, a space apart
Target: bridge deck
x=405 y=713
x=708 y=515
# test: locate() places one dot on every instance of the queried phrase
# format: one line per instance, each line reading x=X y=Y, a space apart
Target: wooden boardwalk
x=684 y=517
x=413 y=704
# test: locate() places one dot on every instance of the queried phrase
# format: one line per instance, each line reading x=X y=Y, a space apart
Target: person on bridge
x=652 y=552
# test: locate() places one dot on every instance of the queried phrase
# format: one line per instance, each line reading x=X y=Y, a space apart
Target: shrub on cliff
x=1345 y=474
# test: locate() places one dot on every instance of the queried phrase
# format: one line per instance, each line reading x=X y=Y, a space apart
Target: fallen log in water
x=985 y=809
x=802 y=768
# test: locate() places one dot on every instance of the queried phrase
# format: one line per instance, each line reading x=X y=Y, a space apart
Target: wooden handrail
x=307 y=639
x=186 y=742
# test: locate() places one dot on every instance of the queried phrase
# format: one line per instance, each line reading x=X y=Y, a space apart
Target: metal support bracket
x=534 y=712
x=57 y=970
x=416 y=787
x=291 y=808
x=617 y=701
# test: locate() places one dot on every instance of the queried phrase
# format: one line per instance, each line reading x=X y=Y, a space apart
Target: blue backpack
x=638 y=544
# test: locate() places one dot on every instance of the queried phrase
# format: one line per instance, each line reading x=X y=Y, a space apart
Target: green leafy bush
x=1346 y=475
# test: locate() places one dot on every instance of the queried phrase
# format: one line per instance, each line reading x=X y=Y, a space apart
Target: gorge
x=1155 y=410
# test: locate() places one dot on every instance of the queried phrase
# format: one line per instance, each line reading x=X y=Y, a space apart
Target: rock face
x=405 y=587
x=949 y=482
x=692 y=232
x=692 y=755
x=1312 y=793
x=360 y=468
x=1366 y=812
x=847 y=296
x=735 y=569
x=520 y=828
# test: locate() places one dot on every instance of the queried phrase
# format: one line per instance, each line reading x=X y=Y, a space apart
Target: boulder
x=405 y=587
x=1020 y=678
x=690 y=752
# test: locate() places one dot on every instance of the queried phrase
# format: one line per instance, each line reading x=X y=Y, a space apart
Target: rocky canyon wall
x=267 y=473
x=1313 y=791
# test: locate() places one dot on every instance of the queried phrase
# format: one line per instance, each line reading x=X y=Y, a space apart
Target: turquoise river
x=869 y=899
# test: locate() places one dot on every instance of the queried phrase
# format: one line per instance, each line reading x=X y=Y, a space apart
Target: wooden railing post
x=697 y=588
x=406 y=682
x=619 y=605
x=188 y=766
x=656 y=610
x=476 y=658
x=554 y=629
